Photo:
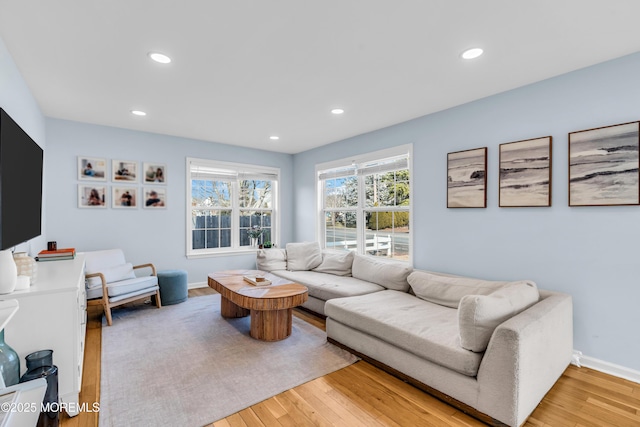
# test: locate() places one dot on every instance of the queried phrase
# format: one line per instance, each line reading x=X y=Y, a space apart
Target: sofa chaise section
x=427 y=330
x=524 y=358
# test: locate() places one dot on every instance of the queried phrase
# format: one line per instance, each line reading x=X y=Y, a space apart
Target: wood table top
x=280 y=294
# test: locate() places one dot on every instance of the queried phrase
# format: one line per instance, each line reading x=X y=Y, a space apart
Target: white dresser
x=53 y=315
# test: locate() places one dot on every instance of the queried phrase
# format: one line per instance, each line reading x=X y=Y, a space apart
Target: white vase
x=254 y=242
x=26 y=266
x=8 y=272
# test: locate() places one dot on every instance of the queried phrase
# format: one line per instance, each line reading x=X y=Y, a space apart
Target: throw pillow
x=112 y=274
x=337 y=263
x=388 y=273
x=271 y=259
x=480 y=315
x=303 y=256
x=447 y=290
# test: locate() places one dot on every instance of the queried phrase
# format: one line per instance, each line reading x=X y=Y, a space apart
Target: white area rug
x=185 y=365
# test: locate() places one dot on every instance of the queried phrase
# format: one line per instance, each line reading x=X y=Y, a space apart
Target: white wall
x=589 y=252
x=145 y=235
x=16 y=99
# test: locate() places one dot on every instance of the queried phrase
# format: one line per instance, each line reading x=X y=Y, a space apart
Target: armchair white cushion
x=109 y=277
x=112 y=274
x=103 y=260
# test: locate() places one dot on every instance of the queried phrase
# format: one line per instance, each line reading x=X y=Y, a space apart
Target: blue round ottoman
x=173 y=286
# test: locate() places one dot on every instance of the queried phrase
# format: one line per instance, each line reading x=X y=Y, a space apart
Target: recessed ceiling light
x=472 y=53
x=274 y=137
x=138 y=113
x=337 y=111
x=159 y=57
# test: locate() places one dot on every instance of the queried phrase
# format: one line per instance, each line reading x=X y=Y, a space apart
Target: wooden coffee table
x=270 y=307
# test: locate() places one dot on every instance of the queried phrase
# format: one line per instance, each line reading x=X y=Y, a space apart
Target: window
x=225 y=201
x=365 y=204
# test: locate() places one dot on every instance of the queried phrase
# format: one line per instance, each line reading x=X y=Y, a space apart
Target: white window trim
x=356 y=160
x=235 y=229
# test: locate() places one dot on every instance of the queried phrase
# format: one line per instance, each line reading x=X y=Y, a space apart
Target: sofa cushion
x=427 y=330
x=336 y=262
x=327 y=286
x=479 y=315
x=271 y=259
x=303 y=256
x=111 y=274
x=388 y=273
x=447 y=290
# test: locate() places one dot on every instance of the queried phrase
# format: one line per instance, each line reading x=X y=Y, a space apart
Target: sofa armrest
x=525 y=357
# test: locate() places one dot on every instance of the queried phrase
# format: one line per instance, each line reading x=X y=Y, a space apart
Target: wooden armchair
x=109 y=279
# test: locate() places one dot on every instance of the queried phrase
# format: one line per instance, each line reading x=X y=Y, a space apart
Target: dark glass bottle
x=40 y=365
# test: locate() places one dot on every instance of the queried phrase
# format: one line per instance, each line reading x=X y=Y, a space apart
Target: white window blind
x=366 y=168
x=383 y=166
x=338 y=172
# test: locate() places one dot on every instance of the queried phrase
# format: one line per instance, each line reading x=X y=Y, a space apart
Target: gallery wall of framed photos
x=121 y=184
x=604 y=170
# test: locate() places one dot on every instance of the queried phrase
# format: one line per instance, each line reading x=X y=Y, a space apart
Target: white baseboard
x=580 y=360
x=197 y=285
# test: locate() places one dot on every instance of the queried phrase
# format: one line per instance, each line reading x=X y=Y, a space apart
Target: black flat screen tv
x=20 y=184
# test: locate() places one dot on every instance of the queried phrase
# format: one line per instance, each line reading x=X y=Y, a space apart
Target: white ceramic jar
x=26 y=265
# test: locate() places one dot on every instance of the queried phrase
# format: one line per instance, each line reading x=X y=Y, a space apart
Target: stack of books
x=57 y=255
x=257 y=280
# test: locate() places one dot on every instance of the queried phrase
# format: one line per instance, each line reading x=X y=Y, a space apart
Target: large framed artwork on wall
x=525 y=173
x=467 y=178
x=603 y=166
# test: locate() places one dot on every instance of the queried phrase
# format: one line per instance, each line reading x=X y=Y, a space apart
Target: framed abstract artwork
x=525 y=173
x=603 y=166
x=467 y=179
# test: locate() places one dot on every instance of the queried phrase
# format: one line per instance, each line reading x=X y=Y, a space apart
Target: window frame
x=241 y=170
x=356 y=163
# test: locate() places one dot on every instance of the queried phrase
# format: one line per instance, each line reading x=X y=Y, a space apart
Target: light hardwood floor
x=362 y=395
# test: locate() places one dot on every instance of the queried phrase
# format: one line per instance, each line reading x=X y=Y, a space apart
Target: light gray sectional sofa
x=493 y=349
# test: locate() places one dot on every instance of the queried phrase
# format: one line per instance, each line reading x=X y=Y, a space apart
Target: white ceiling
x=244 y=70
